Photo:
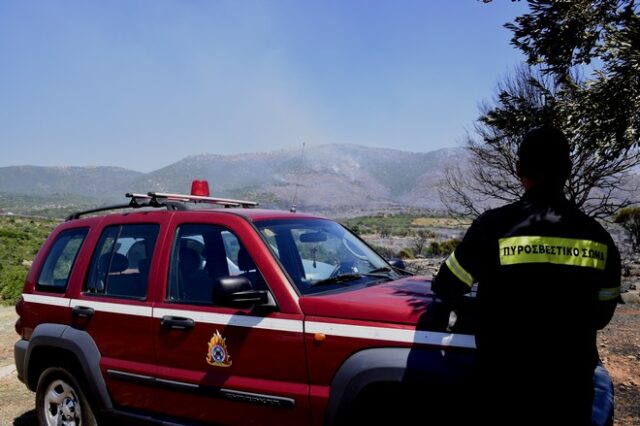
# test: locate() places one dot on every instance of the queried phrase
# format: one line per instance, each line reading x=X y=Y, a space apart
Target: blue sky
x=142 y=84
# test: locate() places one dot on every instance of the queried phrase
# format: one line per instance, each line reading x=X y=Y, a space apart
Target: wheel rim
x=61 y=405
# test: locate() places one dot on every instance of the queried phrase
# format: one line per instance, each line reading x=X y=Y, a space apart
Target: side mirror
x=397 y=263
x=399 y=266
x=238 y=292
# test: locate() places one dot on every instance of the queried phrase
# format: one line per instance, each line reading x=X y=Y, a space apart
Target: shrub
x=440 y=248
x=406 y=253
x=385 y=252
x=419 y=240
x=11 y=282
x=19 y=241
x=629 y=218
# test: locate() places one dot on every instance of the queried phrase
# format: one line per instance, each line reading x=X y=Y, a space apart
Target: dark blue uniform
x=548 y=278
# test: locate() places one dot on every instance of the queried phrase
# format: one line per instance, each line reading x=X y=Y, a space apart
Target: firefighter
x=548 y=277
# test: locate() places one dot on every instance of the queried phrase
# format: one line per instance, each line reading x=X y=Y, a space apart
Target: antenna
x=297 y=179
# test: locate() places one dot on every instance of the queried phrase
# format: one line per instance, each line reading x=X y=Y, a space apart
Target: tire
x=60 y=400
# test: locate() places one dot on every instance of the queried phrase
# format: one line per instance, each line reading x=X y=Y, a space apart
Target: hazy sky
x=142 y=84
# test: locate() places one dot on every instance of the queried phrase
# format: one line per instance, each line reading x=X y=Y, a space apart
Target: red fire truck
x=189 y=309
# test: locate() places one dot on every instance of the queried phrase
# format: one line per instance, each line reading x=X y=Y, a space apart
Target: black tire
x=61 y=401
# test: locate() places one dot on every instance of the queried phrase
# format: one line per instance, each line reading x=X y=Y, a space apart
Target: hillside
x=96 y=182
x=330 y=179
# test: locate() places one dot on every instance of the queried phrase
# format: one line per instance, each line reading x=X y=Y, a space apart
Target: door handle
x=82 y=311
x=177 y=323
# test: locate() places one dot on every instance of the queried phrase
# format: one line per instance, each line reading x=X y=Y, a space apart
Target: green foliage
x=390 y=225
x=406 y=253
x=419 y=238
x=397 y=225
x=53 y=206
x=562 y=34
x=441 y=248
x=20 y=240
x=629 y=218
x=11 y=282
x=385 y=252
x=384 y=231
x=582 y=76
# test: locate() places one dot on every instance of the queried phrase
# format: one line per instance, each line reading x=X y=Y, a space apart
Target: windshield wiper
x=383 y=272
x=379 y=270
x=338 y=279
x=392 y=269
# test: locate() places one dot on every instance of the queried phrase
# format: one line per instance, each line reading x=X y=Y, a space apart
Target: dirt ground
x=16 y=401
x=619 y=346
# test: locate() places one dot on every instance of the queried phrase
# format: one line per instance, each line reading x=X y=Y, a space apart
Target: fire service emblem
x=218 y=355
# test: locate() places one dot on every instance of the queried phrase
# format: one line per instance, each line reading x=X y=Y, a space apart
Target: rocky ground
x=619 y=346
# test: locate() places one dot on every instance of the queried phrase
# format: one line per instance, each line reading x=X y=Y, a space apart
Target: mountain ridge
x=332 y=178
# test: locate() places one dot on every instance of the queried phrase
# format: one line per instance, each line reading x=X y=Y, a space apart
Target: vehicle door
x=219 y=363
x=114 y=308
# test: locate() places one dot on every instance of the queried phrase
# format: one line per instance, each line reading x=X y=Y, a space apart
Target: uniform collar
x=544 y=194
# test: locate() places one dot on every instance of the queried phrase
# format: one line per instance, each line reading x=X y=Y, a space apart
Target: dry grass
x=441 y=222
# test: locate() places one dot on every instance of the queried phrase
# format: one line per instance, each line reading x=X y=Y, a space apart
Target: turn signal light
x=19 y=310
x=200 y=188
x=319 y=337
x=19 y=306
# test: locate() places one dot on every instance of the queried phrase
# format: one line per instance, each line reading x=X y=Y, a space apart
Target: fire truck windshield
x=321 y=255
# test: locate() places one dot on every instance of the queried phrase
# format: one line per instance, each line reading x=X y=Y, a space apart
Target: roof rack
x=226 y=202
x=133 y=204
x=163 y=200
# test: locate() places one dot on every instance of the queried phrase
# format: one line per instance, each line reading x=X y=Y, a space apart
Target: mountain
x=328 y=178
x=94 y=182
x=333 y=179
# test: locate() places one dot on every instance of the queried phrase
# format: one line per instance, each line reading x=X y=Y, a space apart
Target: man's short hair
x=544 y=155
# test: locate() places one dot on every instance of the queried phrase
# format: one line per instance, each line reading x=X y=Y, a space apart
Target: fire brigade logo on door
x=218 y=355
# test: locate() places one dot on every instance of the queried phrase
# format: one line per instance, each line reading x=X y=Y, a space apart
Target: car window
x=57 y=267
x=121 y=261
x=320 y=255
x=203 y=254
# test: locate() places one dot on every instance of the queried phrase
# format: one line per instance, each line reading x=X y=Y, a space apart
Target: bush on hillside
x=629 y=218
x=442 y=248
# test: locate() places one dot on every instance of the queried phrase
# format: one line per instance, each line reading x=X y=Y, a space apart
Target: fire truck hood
x=404 y=301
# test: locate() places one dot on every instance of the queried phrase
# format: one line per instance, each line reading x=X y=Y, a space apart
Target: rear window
x=54 y=275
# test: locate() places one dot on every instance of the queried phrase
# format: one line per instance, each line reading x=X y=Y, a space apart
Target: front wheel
x=60 y=400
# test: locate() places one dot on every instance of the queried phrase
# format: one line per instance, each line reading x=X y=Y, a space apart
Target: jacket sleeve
x=461 y=269
x=609 y=290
